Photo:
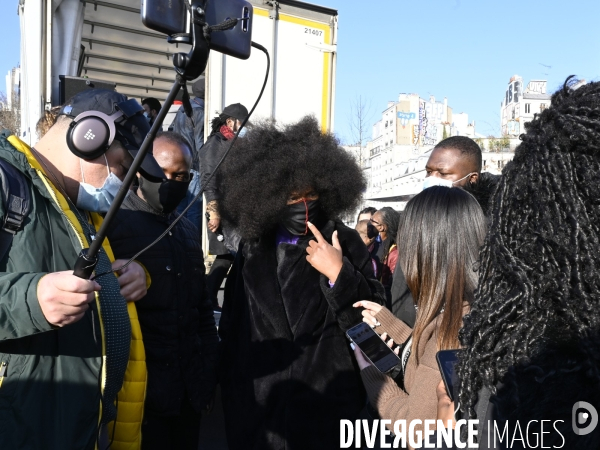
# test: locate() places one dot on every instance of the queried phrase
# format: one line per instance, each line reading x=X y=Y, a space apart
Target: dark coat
x=178 y=327
x=403 y=305
x=288 y=373
x=210 y=155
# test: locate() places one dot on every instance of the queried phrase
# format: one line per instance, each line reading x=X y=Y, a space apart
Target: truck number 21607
x=313 y=31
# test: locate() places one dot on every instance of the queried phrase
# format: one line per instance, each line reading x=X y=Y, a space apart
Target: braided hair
x=539 y=275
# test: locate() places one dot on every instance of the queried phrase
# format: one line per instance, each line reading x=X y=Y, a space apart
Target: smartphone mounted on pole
x=373 y=347
x=171 y=17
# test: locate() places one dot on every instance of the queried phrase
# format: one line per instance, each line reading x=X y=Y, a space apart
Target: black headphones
x=92 y=132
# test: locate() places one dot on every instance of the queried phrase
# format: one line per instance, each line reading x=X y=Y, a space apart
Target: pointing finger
x=335 y=241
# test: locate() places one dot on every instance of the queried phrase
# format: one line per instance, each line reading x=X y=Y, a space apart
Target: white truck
x=106 y=42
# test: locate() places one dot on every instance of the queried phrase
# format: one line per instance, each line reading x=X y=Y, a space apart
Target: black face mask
x=164 y=196
x=296 y=215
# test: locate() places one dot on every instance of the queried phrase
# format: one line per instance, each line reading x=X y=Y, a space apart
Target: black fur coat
x=288 y=374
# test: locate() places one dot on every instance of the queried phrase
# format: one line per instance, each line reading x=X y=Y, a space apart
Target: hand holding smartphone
x=373 y=347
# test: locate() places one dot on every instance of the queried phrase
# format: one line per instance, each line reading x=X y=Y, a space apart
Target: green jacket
x=50 y=395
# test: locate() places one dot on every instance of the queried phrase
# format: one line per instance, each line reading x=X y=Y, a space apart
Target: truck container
x=106 y=42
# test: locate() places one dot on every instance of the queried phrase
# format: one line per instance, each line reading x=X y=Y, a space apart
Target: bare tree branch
x=10 y=113
x=360 y=117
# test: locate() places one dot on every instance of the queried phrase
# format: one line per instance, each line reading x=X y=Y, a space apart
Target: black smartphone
x=447 y=360
x=165 y=16
x=376 y=351
x=236 y=42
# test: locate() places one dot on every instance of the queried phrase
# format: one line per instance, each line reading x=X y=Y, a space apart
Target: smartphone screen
x=447 y=360
x=380 y=355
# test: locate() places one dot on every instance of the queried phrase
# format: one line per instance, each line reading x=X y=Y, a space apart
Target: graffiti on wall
x=405 y=117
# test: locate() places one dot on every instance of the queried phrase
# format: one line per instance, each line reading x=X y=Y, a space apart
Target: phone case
x=164 y=16
x=236 y=42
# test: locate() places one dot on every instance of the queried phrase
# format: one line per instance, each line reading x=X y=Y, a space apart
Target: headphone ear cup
x=88 y=138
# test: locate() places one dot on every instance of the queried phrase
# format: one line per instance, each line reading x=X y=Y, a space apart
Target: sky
x=465 y=50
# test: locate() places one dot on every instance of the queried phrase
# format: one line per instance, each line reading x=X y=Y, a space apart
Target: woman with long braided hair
x=539 y=274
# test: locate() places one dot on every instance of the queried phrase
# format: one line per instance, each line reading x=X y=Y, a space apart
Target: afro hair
x=271 y=162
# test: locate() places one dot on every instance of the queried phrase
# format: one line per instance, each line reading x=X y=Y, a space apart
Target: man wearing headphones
x=65 y=342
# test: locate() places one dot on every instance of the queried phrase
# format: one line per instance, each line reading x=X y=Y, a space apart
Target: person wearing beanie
x=221 y=243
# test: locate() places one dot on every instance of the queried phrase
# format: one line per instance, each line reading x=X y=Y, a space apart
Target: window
x=527 y=108
x=542 y=107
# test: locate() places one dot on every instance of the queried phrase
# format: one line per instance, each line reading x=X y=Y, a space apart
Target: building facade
x=520 y=105
x=395 y=159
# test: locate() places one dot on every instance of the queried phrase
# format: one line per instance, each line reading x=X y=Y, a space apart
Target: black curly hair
x=539 y=278
x=271 y=162
x=570 y=372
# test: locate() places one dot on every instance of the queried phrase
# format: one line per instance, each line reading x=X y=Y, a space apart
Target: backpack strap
x=16 y=200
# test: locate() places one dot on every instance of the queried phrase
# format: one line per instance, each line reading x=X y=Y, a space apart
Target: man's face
x=449 y=164
x=151 y=112
x=173 y=158
x=119 y=160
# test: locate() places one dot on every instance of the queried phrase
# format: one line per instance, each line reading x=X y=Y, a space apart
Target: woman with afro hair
x=532 y=343
x=288 y=374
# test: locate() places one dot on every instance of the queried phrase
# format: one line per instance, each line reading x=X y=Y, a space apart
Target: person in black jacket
x=288 y=374
x=176 y=317
x=221 y=242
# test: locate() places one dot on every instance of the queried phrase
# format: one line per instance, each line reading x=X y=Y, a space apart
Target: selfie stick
x=188 y=67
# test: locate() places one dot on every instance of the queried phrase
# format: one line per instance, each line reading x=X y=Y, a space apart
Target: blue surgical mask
x=436 y=181
x=147 y=116
x=95 y=199
x=242 y=132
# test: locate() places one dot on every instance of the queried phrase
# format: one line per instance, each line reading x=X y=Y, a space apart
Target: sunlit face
x=365 y=216
x=174 y=159
x=449 y=164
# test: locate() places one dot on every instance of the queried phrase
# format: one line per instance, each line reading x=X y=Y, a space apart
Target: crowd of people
x=502 y=268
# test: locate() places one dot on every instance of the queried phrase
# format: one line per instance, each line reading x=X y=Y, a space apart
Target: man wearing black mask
x=287 y=371
x=178 y=327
